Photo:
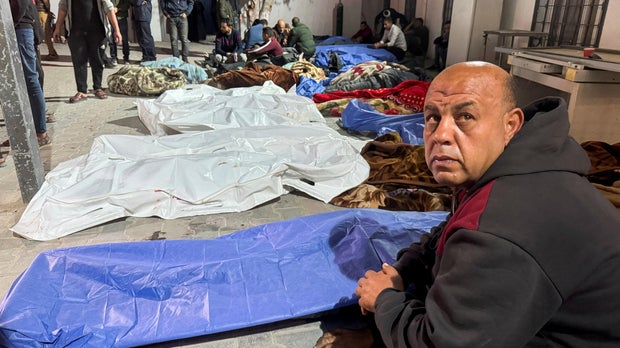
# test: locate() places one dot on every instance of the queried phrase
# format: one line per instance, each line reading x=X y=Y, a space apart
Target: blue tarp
x=361 y=117
x=194 y=73
x=128 y=294
x=351 y=55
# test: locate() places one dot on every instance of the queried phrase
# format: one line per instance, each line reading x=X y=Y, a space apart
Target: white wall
x=432 y=13
x=319 y=15
x=611 y=28
x=518 y=14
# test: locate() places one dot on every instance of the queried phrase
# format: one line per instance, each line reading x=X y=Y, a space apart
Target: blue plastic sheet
x=351 y=55
x=361 y=117
x=128 y=294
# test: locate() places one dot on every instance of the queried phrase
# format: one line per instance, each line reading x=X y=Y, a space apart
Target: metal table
x=591 y=87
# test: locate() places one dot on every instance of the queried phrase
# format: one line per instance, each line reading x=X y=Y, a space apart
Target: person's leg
x=124 y=28
x=437 y=63
x=183 y=31
x=94 y=42
x=140 y=37
x=173 y=29
x=149 y=48
x=40 y=67
x=27 y=52
x=51 y=52
x=113 y=48
x=79 y=57
x=444 y=57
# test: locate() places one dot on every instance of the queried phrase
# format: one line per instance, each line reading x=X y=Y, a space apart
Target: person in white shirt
x=393 y=39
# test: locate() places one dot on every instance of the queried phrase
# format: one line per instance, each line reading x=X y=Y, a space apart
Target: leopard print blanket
x=141 y=81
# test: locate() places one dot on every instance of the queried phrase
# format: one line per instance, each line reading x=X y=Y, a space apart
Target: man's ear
x=513 y=121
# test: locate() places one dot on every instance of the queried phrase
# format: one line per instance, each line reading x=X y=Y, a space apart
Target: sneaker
x=53 y=56
x=108 y=64
x=114 y=62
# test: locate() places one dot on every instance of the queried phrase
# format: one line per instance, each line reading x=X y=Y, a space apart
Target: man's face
x=387 y=25
x=281 y=26
x=225 y=28
x=466 y=124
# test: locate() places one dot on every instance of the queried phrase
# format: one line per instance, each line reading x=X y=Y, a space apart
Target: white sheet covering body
x=218 y=171
x=202 y=107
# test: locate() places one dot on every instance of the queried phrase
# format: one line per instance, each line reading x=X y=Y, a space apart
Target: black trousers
x=145 y=40
x=85 y=49
x=397 y=51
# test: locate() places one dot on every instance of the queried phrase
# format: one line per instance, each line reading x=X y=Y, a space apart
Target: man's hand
x=378 y=45
x=373 y=283
x=56 y=34
x=183 y=15
x=118 y=38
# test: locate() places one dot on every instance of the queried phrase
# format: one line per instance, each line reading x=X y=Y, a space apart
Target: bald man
x=282 y=31
x=530 y=254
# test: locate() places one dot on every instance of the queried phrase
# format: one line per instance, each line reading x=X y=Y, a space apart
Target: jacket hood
x=542 y=144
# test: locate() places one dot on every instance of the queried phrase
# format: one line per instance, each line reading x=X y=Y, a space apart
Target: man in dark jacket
x=141 y=11
x=228 y=45
x=529 y=257
x=176 y=11
x=301 y=38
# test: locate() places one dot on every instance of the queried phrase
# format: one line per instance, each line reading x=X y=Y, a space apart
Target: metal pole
x=16 y=110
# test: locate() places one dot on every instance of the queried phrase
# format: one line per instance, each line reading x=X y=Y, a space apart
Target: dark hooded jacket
x=530 y=256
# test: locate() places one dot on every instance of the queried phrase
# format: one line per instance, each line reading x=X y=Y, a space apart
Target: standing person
x=301 y=38
x=176 y=11
x=393 y=39
x=122 y=15
x=45 y=18
x=88 y=30
x=529 y=256
x=25 y=17
x=228 y=44
x=142 y=12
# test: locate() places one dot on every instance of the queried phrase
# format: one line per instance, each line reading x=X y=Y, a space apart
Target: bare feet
x=346 y=338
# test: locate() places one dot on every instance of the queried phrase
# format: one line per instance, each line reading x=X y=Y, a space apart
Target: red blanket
x=410 y=93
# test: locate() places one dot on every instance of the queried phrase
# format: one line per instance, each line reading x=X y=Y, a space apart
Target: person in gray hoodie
x=530 y=254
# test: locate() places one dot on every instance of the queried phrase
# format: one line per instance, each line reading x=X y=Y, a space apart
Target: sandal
x=78 y=97
x=99 y=93
x=44 y=140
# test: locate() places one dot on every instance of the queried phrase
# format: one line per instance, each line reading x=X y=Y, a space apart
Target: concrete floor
x=72 y=134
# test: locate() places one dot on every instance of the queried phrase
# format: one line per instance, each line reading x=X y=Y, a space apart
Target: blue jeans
x=178 y=31
x=28 y=54
x=123 y=26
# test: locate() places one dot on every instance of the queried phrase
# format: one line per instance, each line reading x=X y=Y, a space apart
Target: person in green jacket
x=301 y=38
